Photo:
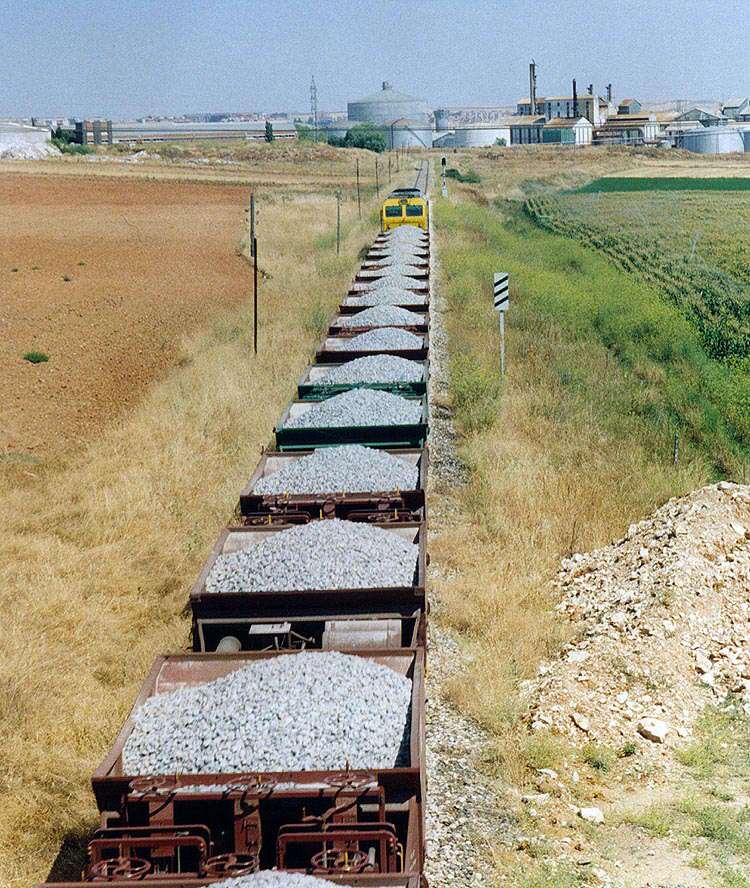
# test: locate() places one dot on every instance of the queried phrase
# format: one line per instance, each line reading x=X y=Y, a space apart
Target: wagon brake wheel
x=156 y=785
x=232 y=865
x=339 y=861
x=348 y=780
x=119 y=868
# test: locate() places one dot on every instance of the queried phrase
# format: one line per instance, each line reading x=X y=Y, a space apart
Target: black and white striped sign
x=500 y=296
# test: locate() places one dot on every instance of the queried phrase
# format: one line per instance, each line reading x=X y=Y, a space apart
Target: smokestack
x=575 y=99
x=609 y=92
x=532 y=86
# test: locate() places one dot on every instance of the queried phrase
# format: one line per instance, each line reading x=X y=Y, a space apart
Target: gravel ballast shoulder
x=381 y=338
x=358 y=407
x=348 y=469
x=297 y=712
x=331 y=554
x=383 y=316
x=376 y=368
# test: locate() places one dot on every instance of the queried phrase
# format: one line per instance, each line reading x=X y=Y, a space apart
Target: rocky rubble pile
x=662 y=623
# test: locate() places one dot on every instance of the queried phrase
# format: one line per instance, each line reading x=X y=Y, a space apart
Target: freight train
x=235 y=759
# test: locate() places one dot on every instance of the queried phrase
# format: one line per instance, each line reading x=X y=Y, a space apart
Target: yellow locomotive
x=405 y=206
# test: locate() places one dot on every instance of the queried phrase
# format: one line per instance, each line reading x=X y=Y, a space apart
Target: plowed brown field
x=104 y=276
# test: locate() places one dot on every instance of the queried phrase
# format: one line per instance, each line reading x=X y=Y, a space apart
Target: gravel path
x=464 y=808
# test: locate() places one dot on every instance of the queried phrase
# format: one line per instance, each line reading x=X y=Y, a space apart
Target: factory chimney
x=575 y=100
x=532 y=86
x=609 y=93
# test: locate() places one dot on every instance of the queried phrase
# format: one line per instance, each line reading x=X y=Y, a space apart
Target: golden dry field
x=101 y=538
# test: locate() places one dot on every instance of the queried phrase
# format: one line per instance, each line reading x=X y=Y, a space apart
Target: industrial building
x=567 y=131
x=630 y=128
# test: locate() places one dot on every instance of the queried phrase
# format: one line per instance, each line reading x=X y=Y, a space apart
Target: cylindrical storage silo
x=712 y=140
x=388 y=105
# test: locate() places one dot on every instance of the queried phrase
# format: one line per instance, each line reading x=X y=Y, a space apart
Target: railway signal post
x=500 y=302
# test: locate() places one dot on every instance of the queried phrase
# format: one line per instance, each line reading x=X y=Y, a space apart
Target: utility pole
x=252 y=223
x=359 y=199
x=377 y=180
x=389 y=168
x=255 y=296
x=338 y=222
x=314 y=106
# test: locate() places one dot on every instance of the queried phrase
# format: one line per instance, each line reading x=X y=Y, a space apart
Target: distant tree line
x=361 y=135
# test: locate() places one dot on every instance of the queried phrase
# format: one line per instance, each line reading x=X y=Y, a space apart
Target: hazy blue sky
x=115 y=58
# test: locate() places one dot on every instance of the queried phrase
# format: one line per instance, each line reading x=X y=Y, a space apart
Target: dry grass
x=98 y=553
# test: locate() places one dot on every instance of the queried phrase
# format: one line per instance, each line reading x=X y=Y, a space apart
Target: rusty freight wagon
x=314 y=387
x=381 y=506
x=387 y=616
x=197 y=826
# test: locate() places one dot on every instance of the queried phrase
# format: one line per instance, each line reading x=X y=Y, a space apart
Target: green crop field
x=693 y=245
x=654 y=183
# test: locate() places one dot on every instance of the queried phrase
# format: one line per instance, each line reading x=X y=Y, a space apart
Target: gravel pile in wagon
x=330 y=554
x=273 y=879
x=385 y=294
x=380 y=339
x=301 y=712
x=375 y=368
x=351 y=468
x=382 y=316
x=406 y=274
x=406 y=233
x=358 y=407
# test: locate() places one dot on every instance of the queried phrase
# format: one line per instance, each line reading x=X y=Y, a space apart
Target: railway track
x=292 y=737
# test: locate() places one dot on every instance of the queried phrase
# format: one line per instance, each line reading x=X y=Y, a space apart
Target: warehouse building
x=526 y=129
x=567 y=131
x=630 y=129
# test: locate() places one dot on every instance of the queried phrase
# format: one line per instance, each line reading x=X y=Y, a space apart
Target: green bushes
x=470 y=176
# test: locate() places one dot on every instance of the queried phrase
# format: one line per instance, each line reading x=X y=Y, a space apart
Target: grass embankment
x=676 y=183
x=98 y=554
x=574 y=445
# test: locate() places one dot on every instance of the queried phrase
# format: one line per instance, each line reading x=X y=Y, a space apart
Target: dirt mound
x=662 y=626
x=28 y=151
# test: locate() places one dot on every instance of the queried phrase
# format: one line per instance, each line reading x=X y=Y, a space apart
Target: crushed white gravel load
x=385 y=295
x=272 y=879
x=358 y=407
x=380 y=338
x=330 y=554
x=383 y=316
x=297 y=712
x=351 y=468
x=375 y=368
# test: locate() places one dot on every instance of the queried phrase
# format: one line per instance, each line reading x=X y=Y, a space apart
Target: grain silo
x=712 y=140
